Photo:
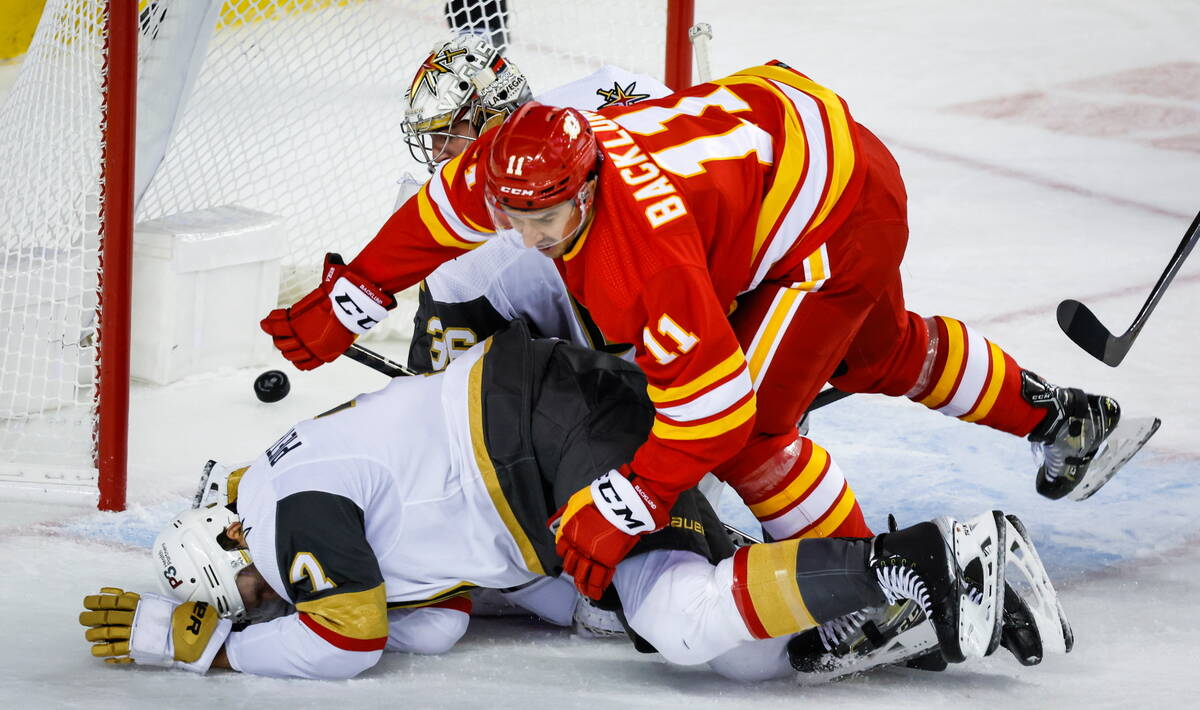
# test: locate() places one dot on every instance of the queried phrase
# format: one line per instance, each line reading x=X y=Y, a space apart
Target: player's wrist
x=356 y=301
x=629 y=504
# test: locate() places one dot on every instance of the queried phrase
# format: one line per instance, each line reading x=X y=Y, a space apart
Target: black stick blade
x=1082 y=327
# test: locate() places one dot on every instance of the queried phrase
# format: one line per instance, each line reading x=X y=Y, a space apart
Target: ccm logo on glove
x=356 y=308
x=623 y=504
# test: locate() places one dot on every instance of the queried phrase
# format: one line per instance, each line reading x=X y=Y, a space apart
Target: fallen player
x=369 y=519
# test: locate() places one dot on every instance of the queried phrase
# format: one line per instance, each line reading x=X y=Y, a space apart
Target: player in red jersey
x=746 y=235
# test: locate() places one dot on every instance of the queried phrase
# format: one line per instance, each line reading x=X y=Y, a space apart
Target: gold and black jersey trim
x=459 y=590
x=510 y=482
x=595 y=337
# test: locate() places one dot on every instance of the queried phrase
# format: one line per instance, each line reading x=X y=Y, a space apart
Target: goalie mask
x=464 y=79
x=196 y=561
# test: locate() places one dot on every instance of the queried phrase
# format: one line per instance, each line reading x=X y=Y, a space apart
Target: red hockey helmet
x=542 y=156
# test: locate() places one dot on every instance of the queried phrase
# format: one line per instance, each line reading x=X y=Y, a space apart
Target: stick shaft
x=1173 y=266
x=364 y=355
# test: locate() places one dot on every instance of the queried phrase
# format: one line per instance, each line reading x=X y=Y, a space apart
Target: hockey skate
x=1083 y=441
x=215 y=485
x=861 y=641
x=1034 y=623
x=591 y=622
x=955 y=572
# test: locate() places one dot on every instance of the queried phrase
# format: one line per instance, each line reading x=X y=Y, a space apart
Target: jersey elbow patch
x=351 y=621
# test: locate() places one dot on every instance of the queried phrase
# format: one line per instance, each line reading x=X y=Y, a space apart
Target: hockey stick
x=699 y=34
x=377 y=362
x=1082 y=326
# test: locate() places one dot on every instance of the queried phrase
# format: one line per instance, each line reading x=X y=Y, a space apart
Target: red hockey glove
x=600 y=524
x=324 y=323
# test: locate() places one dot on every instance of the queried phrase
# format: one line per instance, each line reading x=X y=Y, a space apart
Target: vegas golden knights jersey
x=432 y=486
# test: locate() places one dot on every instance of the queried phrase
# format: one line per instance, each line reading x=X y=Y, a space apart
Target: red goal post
x=289 y=107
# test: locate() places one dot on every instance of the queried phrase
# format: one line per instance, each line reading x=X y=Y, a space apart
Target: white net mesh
x=300 y=115
x=50 y=148
x=295 y=110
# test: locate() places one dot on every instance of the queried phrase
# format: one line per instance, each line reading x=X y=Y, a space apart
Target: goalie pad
x=1128 y=438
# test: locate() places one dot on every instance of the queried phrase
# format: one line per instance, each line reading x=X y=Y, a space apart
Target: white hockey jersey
x=384 y=502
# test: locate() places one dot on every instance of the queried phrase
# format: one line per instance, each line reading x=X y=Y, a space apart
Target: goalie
x=371 y=519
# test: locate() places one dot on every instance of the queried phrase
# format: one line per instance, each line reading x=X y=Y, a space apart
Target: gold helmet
x=464 y=79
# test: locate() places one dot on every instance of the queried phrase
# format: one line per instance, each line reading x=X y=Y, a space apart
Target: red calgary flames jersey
x=703 y=195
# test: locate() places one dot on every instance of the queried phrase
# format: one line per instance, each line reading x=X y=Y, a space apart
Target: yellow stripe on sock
x=774 y=592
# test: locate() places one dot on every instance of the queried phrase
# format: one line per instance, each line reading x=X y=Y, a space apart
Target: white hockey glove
x=153 y=630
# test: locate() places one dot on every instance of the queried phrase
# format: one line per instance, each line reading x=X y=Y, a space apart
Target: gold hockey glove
x=150 y=629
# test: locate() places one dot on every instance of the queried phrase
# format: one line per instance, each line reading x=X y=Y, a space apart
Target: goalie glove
x=149 y=629
x=600 y=524
x=320 y=326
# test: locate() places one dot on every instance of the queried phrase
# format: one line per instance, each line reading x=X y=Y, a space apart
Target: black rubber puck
x=271 y=386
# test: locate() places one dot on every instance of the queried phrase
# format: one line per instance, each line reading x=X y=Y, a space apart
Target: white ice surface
x=1010 y=214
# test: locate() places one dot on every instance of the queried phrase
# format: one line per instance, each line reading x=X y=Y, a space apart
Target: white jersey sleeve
x=426 y=630
x=518 y=283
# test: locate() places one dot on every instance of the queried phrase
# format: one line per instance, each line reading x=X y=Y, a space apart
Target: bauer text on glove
x=153 y=630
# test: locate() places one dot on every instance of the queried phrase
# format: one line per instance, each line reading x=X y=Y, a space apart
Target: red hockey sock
x=969 y=377
x=799 y=492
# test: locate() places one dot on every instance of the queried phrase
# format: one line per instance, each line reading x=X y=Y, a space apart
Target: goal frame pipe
x=119 y=93
x=677 y=72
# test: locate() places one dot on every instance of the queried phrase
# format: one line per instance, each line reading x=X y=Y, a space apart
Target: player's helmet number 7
x=540 y=187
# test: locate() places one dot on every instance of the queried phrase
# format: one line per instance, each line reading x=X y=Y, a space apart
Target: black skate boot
x=929 y=563
x=863 y=640
x=1071 y=435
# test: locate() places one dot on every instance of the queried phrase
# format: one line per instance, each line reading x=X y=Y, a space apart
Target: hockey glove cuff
x=320 y=326
x=153 y=630
x=600 y=524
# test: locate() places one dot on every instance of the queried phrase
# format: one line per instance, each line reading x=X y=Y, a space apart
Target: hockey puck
x=271 y=386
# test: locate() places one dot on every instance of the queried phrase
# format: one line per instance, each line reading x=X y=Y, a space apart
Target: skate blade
x=1129 y=436
x=911 y=643
x=1034 y=588
x=979 y=549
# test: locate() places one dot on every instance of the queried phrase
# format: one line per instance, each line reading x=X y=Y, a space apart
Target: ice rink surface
x=1051 y=150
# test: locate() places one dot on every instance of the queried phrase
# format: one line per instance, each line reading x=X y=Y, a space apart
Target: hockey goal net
x=289 y=107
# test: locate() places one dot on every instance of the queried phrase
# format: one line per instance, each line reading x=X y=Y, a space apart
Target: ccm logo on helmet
x=519 y=191
x=639 y=172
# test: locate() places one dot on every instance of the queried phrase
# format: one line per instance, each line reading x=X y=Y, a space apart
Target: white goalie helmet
x=463 y=79
x=196 y=561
